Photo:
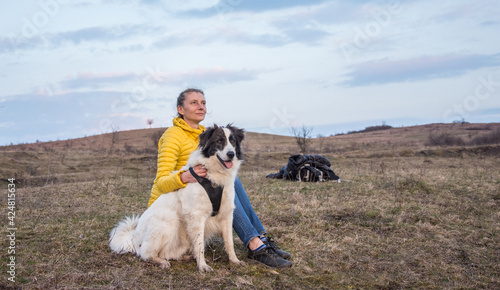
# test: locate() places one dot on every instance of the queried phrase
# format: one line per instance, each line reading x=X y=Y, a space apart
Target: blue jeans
x=245 y=221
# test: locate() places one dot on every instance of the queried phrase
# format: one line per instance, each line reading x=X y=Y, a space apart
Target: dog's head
x=224 y=143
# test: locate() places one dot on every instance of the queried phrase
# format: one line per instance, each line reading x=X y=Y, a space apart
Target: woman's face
x=193 y=109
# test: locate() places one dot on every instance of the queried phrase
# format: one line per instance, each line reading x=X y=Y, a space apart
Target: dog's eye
x=220 y=141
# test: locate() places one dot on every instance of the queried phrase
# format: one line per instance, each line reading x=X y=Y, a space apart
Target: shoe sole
x=251 y=261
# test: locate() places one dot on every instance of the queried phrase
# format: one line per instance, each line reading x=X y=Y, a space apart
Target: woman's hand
x=187 y=177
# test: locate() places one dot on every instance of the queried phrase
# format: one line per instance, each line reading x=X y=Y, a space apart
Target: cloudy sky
x=74 y=68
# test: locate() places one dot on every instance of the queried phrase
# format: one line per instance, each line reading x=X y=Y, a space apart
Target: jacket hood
x=179 y=122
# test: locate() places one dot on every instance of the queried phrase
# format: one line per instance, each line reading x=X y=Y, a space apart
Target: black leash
x=214 y=192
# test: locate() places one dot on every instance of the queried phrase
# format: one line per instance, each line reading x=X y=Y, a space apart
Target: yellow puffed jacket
x=174 y=148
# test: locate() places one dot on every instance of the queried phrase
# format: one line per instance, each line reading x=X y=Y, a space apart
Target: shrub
x=155 y=137
x=370 y=129
x=445 y=139
x=491 y=138
x=376 y=128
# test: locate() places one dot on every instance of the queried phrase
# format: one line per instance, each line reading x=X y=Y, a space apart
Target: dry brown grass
x=412 y=217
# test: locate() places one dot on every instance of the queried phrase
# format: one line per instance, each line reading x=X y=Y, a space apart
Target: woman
x=174 y=148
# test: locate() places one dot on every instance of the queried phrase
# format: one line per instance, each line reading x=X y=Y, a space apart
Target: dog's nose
x=230 y=154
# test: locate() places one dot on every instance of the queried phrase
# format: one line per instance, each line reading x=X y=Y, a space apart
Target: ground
x=411 y=215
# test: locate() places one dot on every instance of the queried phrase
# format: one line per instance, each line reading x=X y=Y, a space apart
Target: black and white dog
x=182 y=221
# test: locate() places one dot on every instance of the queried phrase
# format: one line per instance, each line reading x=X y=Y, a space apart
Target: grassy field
x=412 y=215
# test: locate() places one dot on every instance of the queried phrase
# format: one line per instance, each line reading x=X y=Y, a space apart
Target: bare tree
x=150 y=122
x=114 y=137
x=303 y=138
x=321 y=141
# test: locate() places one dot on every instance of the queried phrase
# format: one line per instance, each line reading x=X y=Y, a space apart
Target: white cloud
x=417 y=69
x=252 y=58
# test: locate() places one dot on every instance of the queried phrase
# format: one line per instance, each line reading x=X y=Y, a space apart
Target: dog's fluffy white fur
x=180 y=222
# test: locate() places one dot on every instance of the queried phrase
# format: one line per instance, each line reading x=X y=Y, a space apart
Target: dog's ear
x=205 y=137
x=239 y=135
x=237 y=132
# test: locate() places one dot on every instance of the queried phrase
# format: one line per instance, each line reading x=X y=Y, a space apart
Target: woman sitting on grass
x=174 y=148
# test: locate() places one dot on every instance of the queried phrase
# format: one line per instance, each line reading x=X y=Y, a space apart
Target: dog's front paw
x=239 y=263
x=165 y=265
x=205 y=268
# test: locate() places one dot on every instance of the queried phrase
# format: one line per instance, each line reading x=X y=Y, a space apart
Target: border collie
x=180 y=222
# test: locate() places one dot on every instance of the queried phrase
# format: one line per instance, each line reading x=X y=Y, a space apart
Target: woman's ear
x=180 y=110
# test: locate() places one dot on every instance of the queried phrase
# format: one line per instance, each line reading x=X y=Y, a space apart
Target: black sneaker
x=269 y=257
x=270 y=243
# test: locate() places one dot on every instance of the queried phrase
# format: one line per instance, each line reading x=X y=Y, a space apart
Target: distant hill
x=370 y=141
x=134 y=153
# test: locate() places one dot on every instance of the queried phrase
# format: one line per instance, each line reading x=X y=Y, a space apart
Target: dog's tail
x=121 y=237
